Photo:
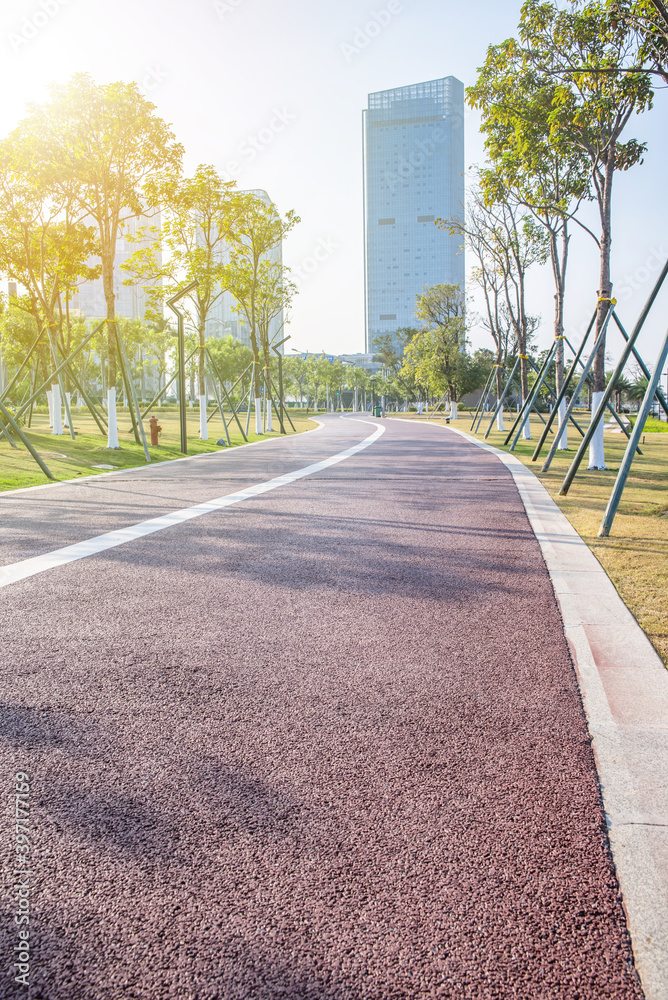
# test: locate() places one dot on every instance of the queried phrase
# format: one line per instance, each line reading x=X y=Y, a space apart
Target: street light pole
x=182 y=362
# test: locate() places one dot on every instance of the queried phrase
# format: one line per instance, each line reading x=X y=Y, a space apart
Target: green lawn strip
x=635 y=556
x=69 y=459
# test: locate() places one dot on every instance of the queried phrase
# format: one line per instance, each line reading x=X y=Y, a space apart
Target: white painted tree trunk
x=68 y=397
x=270 y=425
x=258 y=415
x=49 y=399
x=526 y=429
x=499 y=420
x=79 y=401
x=597 y=447
x=453 y=410
x=563 y=427
x=57 y=411
x=203 y=427
x=112 y=430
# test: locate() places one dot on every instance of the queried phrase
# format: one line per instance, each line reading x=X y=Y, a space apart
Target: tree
x=587 y=50
x=102 y=146
x=649 y=19
x=507 y=241
x=516 y=102
x=44 y=248
x=437 y=355
x=191 y=245
x=258 y=235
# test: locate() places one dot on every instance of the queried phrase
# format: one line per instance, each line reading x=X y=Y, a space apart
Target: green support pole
x=5 y=433
x=227 y=396
x=564 y=388
x=10 y=420
x=583 y=378
x=23 y=365
x=182 y=362
x=61 y=385
x=250 y=396
x=482 y=399
x=625 y=468
x=528 y=403
x=167 y=385
x=215 y=389
x=641 y=364
x=137 y=424
x=499 y=404
x=59 y=369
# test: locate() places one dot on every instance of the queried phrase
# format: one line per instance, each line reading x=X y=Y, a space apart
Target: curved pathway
x=324 y=743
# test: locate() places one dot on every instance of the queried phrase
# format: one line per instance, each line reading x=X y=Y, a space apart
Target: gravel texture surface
x=327 y=744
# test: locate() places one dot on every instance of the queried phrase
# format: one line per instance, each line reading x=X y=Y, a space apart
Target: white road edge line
x=100 y=543
x=629 y=755
x=156 y=465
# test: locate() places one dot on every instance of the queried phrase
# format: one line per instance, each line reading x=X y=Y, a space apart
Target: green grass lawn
x=635 y=556
x=68 y=459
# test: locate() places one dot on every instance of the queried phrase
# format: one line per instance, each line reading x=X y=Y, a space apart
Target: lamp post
x=182 y=362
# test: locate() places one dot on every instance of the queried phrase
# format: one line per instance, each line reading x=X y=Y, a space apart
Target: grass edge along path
x=69 y=460
x=635 y=556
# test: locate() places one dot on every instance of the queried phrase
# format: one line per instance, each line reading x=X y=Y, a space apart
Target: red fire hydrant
x=155 y=429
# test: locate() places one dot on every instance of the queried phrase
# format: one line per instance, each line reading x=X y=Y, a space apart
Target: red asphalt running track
x=325 y=744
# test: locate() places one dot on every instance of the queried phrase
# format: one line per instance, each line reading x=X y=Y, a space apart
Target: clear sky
x=272 y=93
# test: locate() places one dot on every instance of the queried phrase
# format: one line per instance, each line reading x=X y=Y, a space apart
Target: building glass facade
x=413 y=174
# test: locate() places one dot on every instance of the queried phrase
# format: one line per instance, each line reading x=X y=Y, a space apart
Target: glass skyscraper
x=413 y=175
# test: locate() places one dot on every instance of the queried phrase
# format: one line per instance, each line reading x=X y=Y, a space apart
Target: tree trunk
x=597 y=447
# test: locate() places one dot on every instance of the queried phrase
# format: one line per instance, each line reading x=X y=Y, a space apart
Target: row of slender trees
x=95 y=162
x=556 y=102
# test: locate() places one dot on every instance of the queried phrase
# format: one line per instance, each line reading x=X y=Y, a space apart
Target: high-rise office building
x=413 y=175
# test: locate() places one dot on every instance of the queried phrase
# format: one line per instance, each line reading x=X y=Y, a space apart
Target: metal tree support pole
x=5 y=433
x=25 y=361
x=167 y=385
x=564 y=389
x=611 y=408
x=33 y=379
x=12 y=422
x=533 y=397
x=61 y=385
x=215 y=389
x=98 y=418
x=482 y=399
x=250 y=396
x=527 y=405
x=583 y=378
x=182 y=362
x=59 y=369
x=629 y=348
x=489 y=391
x=282 y=411
x=499 y=403
x=641 y=364
x=625 y=468
x=227 y=397
x=132 y=393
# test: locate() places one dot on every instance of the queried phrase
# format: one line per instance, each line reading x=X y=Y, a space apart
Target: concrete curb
x=624 y=687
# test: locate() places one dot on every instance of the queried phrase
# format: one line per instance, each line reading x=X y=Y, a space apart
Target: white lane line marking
x=155 y=465
x=100 y=543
